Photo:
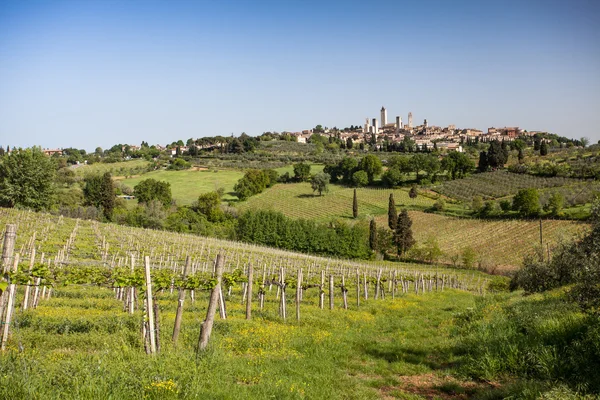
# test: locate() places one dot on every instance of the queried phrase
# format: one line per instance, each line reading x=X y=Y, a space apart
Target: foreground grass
x=187 y=185
x=80 y=344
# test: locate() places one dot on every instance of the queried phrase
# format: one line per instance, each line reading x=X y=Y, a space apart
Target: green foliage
x=27 y=180
x=274 y=229
x=151 y=189
x=541 y=339
x=477 y=204
x=527 y=202
x=320 y=183
x=458 y=165
x=413 y=193
x=555 y=204
x=439 y=205
x=360 y=179
x=253 y=182
x=403 y=237
x=468 y=257
x=354 y=205
x=302 y=172
x=99 y=192
x=209 y=205
x=373 y=235
x=372 y=166
x=392 y=213
x=179 y=164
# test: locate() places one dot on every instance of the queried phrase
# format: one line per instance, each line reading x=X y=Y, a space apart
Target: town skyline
x=95 y=73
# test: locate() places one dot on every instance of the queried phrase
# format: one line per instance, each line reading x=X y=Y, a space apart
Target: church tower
x=383 y=116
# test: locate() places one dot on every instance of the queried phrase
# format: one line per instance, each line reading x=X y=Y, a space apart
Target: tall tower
x=375 y=128
x=398 y=124
x=367 y=125
x=409 y=120
x=383 y=116
x=425 y=123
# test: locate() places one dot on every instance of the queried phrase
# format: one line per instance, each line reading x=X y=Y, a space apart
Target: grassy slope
x=499 y=242
x=80 y=344
x=297 y=200
x=116 y=169
x=187 y=185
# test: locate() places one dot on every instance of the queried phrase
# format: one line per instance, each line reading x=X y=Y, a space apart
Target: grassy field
x=297 y=200
x=80 y=344
x=496 y=242
x=187 y=185
x=119 y=169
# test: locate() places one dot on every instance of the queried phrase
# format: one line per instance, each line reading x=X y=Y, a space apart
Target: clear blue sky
x=94 y=73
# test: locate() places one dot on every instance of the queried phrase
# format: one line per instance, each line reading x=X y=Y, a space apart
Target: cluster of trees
x=526 y=202
x=336 y=239
x=495 y=157
x=354 y=172
x=255 y=181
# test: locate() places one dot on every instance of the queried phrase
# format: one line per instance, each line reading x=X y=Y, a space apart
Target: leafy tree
x=496 y=155
x=555 y=204
x=209 y=205
x=527 y=202
x=355 y=205
x=468 y=258
x=431 y=250
x=302 y=172
x=544 y=149
x=477 y=204
x=457 y=165
x=347 y=167
x=99 y=192
x=320 y=182
x=253 y=182
x=413 y=193
x=373 y=235
x=404 y=237
x=360 y=178
x=392 y=177
x=349 y=143
x=372 y=166
x=505 y=205
x=392 y=213
x=151 y=189
x=520 y=155
x=584 y=142
x=27 y=180
x=483 y=164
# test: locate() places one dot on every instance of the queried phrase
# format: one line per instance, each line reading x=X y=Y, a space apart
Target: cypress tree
x=108 y=196
x=373 y=235
x=392 y=216
x=355 y=206
x=404 y=237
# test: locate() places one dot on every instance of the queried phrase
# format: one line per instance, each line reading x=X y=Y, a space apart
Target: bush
x=468 y=257
x=527 y=202
x=439 y=205
x=360 y=178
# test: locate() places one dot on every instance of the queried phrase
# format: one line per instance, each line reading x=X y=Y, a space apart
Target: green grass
x=125 y=168
x=80 y=344
x=296 y=200
x=187 y=185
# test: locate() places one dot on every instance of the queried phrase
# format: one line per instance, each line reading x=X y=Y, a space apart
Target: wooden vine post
x=298 y=294
x=249 y=291
x=28 y=287
x=12 y=289
x=331 y=292
x=357 y=288
x=282 y=302
x=206 y=327
x=179 y=314
x=131 y=307
x=8 y=247
x=149 y=306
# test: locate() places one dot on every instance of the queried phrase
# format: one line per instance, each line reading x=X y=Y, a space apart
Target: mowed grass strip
x=187 y=185
x=297 y=200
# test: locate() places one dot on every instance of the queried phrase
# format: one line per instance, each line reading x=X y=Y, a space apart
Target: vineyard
x=497 y=184
x=124 y=168
x=296 y=200
x=501 y=243
x=86 y=301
